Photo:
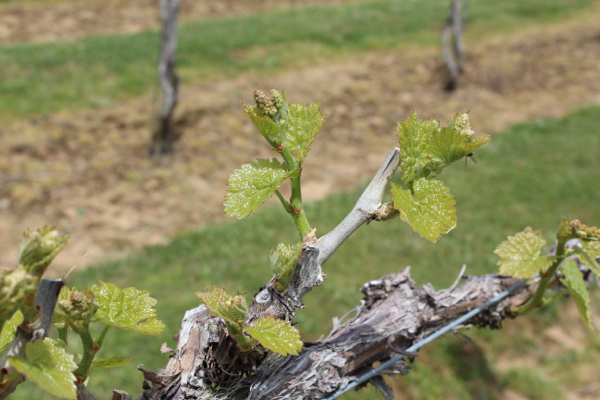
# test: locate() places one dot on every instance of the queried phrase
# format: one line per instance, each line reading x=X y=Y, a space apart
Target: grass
x=529 y=175
x=98 y=70
x=532 y=385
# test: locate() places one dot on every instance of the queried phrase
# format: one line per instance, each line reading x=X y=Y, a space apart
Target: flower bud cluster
x=80 y=306
x=277 y=99
x=264 y=103
x=574 y=228
x=271 y=106
x=463 y=125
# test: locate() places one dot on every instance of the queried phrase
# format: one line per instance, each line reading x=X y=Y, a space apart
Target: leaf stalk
x=296 y=209
x=538 y=300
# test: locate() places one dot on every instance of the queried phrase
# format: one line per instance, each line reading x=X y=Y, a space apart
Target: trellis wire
x=428 y=339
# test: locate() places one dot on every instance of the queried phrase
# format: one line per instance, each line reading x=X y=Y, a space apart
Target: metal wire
x=428 y=339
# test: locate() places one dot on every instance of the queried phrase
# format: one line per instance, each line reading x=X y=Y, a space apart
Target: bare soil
x=71 y=20
x=87 y=172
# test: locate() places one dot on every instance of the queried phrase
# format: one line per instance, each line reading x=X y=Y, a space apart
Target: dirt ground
x=86 y=172
x=71 y=20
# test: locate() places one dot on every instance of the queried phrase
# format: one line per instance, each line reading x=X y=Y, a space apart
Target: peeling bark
x=394 y=313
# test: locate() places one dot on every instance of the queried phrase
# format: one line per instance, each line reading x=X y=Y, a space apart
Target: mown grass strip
x=530 y=175
x=99 y=70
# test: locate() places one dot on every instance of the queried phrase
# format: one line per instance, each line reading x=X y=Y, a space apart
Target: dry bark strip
x=45 y=299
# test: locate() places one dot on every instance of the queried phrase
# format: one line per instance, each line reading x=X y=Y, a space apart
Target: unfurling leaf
x=520 y=255
x=430 y=211
x=58 y=317
x=9 y=329
x=223 y=304
x=426 y=149
x=48 y=365
x=268 y=115
x=283 y=261
x=233 y=309
x=16 y=286
x=414 y=137
x=303 y=124
x=252 y=185
x=110 y=362
x=276 y=335
x=450 y=145
x=38 y=249
x=588 y=254
x=65 y=293
x=271 y=130
x=129 y=309
x=578 y=289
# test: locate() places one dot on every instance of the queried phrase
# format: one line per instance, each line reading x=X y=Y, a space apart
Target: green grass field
x=98 y=70
x=529 y=175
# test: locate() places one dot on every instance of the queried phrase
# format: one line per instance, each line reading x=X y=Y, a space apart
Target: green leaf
x=588 y=254
x=450 y=145
x=283 y=262
x=48 y=365
x=430 y=212
x=9 y=330
x=223 y=304
x=129 y=309
x=270 y=129
x=252 y=185
x=520 y=254
x=303 y=124
x=578 y=289
x=110 y=362
x=414 y=137
x=233 y=309
x=65 y=294
x=276 y=335
x=425 y=149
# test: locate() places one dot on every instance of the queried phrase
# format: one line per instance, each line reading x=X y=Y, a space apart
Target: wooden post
x=452 y=54
x=163 y=135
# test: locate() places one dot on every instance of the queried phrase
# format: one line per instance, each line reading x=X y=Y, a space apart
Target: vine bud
x=570 y=229
x=38 y=249
x=264 y=104
x=462 y=124
x=80 y=306
x=278 y=100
